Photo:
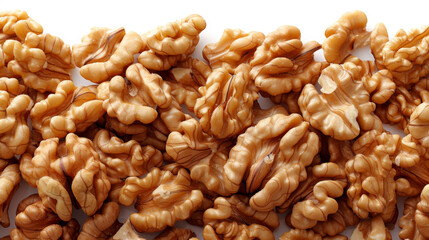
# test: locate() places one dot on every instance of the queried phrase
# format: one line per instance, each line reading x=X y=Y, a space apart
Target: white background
x=70 y=20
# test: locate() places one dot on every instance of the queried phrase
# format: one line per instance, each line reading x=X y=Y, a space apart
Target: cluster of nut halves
x=185 y=139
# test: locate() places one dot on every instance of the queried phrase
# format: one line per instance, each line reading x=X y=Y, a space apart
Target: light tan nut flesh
x=345 y=35
x=226 y=103
x=273 y=155
x=234 y=47
x=71 y=109
x=344 y=108
x=371 y=229
x=162 y=199
x=121 y=57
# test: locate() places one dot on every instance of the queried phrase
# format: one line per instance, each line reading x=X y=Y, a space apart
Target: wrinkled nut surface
x=70 y=109
x=104 y=54
x=234 y=47
x=272 y=156
x=344 y=108
x=371 y=229
x=34 y=220
x=320 y=202
x=422 y=213
x=14 y=108
x=283 y=64
x=300 y=234
x=16 y=25
x=407 y=222
x=337 y=222
x=225 y=108
x=168 y=45
x=380 y=85
x=137 y=98
x=419 y=124
x=185 y=79
x=101 y=225
x=124 y=159
x=345 y=35
x=232 y=218
x=53 y=163
x=407 y=55
x=42 y=61
x=9 y=180
x=173 y=233
x=204 y=155
x=162 y=199
x=371 y=175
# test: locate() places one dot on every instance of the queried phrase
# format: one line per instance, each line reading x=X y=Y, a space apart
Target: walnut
x=300 y=234
x=162 y=199
x=407 y=55
x=43 y=61
x=232 y=218
x=407 y=222
x=55 y=164
x=104 y=53
x=124 y=159
x=337 y=222
x=371 y=229
x=371 y=176
x=234 y=47
x=137 y=98
x=156 y=135
x=261 y=114
x=102 y=225
x=340 y=151
x=398 y=109
x=422 y=213
x=185 y=79
x=14 y=108
x=344 y=108
x=345 y=35
x=378 y=38
x=170 y=44
x=226 y=103
x=272 y=156
x=34 y=220
x=173 y=233
x=173 y=116
x=313 y=201
x=9 y=180
x=289 y=100
x=381 y=86
x=419 y=124
x=283 y=64
x=201 y=153
x=16 y=25
x=71 y=109
x=126 y=232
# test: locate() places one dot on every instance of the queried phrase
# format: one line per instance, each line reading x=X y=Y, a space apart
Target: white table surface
x=71 y=20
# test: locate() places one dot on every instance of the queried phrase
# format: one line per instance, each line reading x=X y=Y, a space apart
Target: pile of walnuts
x=185 y=139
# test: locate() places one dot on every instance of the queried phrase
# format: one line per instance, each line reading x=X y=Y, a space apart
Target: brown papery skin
x=225 y=108
x=42 y=61
x=14 y=108
x=234 y=47
x=271 y=157
x=116 y=62
x=232 y=218
x=407 y=55
x=16 y=25
x=168 y=45
x=371 y=229
x=345 y=35
x=371 y=175
x=162 y=199
x=407 y=222
x=422 y=213
x=283 y=64
x=344 y=107
x=204 y=155
x=102 y=225
x=419 y=124
x=173 y=233
x=70 y=109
